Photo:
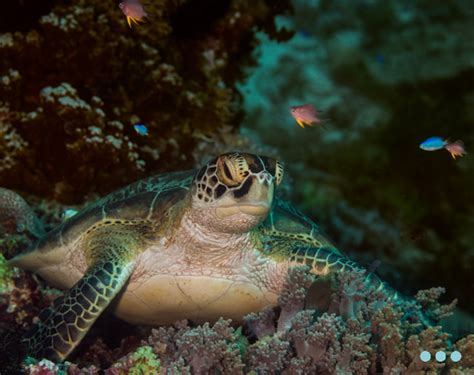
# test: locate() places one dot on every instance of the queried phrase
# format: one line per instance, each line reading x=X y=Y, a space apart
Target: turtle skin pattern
x=112 y=247
x=62 y=326
x=289 y=234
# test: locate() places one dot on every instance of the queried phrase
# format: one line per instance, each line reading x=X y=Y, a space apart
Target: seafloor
x=211 y=76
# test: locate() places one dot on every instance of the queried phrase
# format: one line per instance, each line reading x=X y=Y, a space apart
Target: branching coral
x=365 y=333
x=376 y=336
x=428 y=299
x=142 y=361
x=466 y=347
x=261 y=324
x=268 y=355
x=201 y=350
x=292 y=299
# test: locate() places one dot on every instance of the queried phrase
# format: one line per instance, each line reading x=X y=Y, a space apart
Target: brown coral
x=428 y=299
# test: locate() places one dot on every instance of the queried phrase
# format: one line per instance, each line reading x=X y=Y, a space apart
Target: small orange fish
x=305 y=114
x=133 y=10
x=456 y=149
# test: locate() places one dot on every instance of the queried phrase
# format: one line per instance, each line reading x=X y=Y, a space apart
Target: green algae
x=145 y=362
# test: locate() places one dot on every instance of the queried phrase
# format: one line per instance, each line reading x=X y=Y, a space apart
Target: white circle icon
x=425 y=356
x=456 y=356
x=440 y=356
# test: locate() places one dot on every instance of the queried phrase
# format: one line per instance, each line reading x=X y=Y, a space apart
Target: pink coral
x=261 y=324
x=370 y=331
x=466 y=347
x=269 y=355
x=428 y=299
x=292 y=298
x=202 y=349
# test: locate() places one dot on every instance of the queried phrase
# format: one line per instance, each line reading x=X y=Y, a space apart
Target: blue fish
x=141 y=129
x=68 y=213
x=433 y=144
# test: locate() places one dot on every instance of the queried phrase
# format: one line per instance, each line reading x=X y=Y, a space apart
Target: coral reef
x=142 y=361
x=376 y=334
x=74 y=79
x=200 y=350
x=17 y=216
x=378 y=337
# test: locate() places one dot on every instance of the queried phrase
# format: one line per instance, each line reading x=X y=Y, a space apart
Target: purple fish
x=305 y=114
x=133 y=10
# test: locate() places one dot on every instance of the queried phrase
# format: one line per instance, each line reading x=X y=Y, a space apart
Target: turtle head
x=234 y=191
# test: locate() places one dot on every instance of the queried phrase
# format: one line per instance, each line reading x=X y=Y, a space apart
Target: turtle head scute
x=236 y=189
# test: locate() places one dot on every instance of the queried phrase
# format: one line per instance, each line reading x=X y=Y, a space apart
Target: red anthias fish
x=456 y=148
x=133 y=10
x=305 y=114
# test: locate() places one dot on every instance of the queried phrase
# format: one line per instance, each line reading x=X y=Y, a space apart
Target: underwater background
x=212 y=76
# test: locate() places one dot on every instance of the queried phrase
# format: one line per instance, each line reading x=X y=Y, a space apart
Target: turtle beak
x=255 y=210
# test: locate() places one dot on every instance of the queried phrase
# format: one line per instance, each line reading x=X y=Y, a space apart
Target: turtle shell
x=285 y=221
x=137 y=201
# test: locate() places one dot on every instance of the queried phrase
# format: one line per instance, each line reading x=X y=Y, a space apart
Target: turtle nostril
x=264 y=177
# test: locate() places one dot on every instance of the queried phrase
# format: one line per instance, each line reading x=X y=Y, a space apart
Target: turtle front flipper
x=111 y=247
x=326 y=261
x=63 y=326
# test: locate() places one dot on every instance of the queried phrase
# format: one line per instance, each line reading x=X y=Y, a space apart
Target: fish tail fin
x=300 y=123
x=129 y=20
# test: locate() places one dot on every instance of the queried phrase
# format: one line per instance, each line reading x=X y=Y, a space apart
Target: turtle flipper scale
x=326 y=260
x=321 y=260
x=110 y=247
x=63 y=326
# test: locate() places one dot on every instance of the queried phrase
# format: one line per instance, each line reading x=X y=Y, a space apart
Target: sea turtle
x=197 y=244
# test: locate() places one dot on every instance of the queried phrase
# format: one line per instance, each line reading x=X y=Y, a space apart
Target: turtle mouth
x=256 y=209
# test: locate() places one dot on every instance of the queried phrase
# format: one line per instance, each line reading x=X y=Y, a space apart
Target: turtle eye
x=232 y=170
x=279 y=173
